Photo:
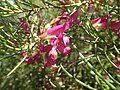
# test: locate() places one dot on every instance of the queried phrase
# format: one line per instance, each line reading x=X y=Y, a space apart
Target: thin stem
x=98 y=58
x=107 y=72
x=97 y=73
x=78 y=81
x=16 y=66
x=117 y=49
x=110 y=60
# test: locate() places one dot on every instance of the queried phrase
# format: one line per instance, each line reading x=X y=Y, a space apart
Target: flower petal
x=56 y=30
x=66 y=40
x=63 y=49
x=115 y=24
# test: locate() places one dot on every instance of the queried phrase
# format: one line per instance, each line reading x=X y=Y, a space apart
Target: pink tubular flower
x=24 y=26
x=102 y=22
x=118 y=65
x=59 y=29
x=74 y=18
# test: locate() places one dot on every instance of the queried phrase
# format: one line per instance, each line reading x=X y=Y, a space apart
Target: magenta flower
x=60 y=29
x=57 y=40
x=102 y=22
x=24 y=25
x=118 y=65
x=50 y=61
x=55 y=44
x=74 y=18
x=61 y=44
x=63 y=49
x=32 y=59
x=52 y=55
x=57 y=29
x=44 y=48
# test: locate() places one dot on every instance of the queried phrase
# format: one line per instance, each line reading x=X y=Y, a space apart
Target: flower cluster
x=57 y=40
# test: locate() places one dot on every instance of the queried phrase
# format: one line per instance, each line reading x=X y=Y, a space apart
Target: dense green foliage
x=88 y=66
